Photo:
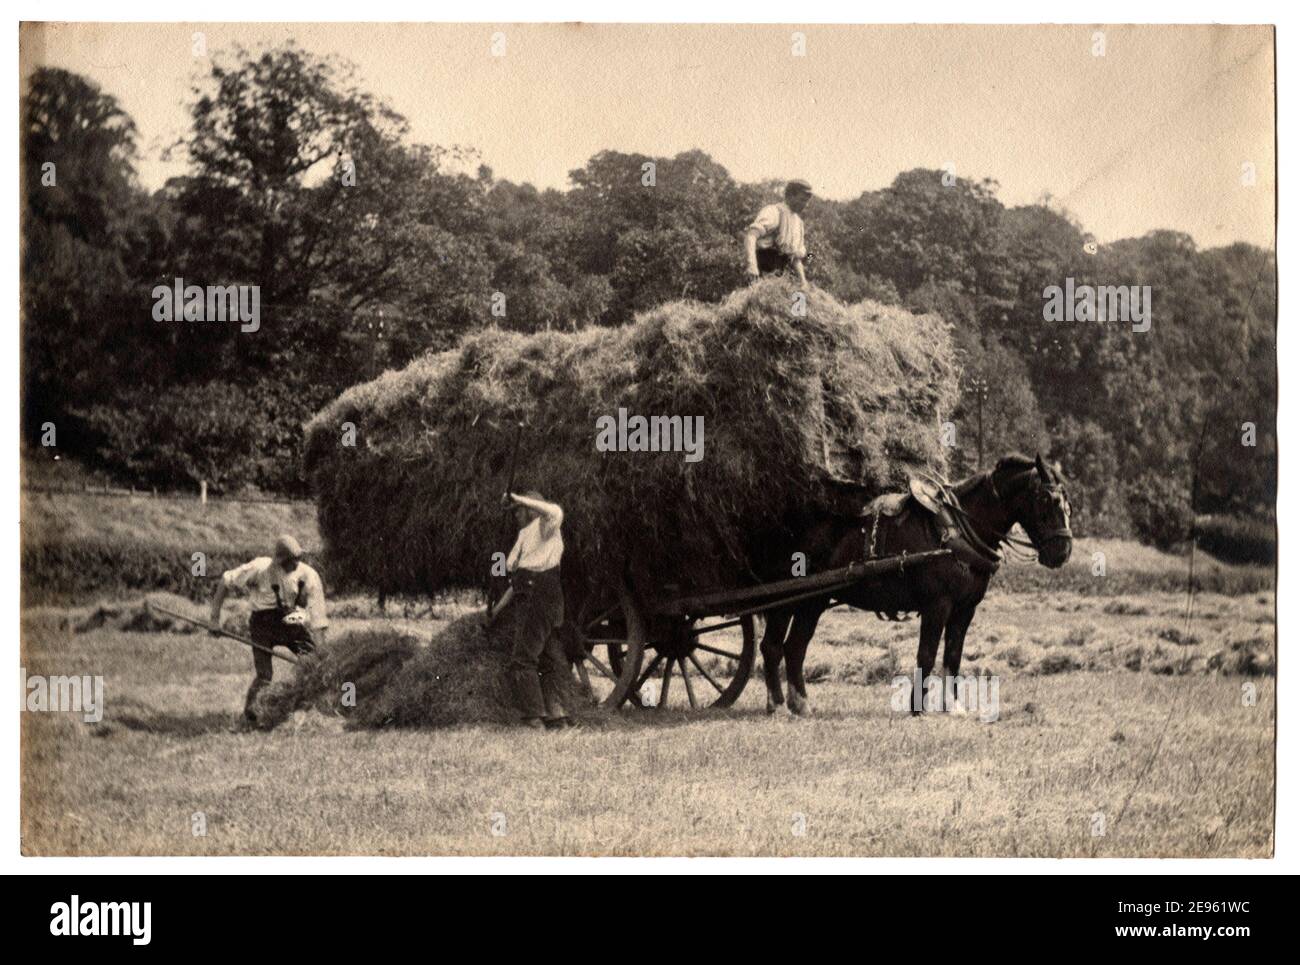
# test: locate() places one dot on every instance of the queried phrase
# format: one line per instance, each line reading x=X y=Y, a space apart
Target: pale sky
x=1153 y=134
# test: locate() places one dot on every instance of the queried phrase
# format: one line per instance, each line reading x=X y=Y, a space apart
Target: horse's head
x=1040 y=504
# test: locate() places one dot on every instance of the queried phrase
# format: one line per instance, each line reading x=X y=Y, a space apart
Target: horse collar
x=957 y=533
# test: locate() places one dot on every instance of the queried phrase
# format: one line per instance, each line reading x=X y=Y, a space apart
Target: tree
x=658 y=228
x=301 y=186
x=88 y=233
x=369 y=250
x=928 y=227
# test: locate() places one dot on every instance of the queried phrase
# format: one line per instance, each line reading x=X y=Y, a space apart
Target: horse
x=972 y=519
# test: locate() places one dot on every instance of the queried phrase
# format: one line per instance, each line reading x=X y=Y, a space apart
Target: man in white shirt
x=288 y=609
x=537 y=660
x=774 y=241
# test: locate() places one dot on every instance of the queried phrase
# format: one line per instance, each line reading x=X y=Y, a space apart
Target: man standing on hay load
x=537 y=661
x=288 y=610
x=774 y=242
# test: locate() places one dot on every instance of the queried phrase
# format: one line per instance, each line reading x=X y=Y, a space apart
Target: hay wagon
x=629 y=641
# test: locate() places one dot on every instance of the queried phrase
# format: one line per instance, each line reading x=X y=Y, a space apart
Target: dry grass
x=379 y=676
x=183 y=524
x=76 y=546
x=1111 y=567
x=852 y=394
x=1028 y=634
x=858 y=778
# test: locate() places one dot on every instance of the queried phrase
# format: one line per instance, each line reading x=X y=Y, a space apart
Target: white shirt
x=780 y=228
x=260 y=577
x=535 y=549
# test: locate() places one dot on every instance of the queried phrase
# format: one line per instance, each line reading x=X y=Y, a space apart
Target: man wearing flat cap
x=288 y=609
x=774 y=241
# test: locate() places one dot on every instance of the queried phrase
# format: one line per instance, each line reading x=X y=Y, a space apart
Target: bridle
x=1045 y=494
x=1020 y=550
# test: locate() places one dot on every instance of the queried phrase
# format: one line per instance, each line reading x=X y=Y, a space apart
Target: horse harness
x=950 y=524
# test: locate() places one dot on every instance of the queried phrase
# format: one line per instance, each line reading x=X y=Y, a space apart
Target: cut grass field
x=1118 y=712
x=1165 y=765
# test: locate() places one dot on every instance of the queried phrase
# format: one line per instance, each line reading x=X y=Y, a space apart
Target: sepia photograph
x=646 y=440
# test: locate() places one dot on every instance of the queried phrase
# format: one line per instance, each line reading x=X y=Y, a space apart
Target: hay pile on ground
x=457 y=677
x=795 y=408
x=138 y=616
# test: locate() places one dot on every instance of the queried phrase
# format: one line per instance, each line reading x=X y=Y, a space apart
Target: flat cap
x=286 y=545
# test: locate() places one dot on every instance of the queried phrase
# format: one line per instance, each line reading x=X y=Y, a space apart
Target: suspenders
x=299 y=600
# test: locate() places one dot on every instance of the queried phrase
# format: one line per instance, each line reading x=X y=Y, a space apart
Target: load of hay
x=796 y=407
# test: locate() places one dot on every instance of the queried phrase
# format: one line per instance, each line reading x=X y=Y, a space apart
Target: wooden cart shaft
x=765 y=596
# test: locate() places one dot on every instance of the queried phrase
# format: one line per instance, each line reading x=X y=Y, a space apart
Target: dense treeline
x=369 y=250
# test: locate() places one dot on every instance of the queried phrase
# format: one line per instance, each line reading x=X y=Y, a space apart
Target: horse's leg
x=933 y=620
x=775 y=625
x=954 y=636
x=796 y=648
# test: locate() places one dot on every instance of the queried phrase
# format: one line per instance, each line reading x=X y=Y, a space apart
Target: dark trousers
x=268 y=629
x=771 y=261
x=537 y=662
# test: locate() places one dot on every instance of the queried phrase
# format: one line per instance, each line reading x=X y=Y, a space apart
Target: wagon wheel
x=713 y=670
x=611 y=636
